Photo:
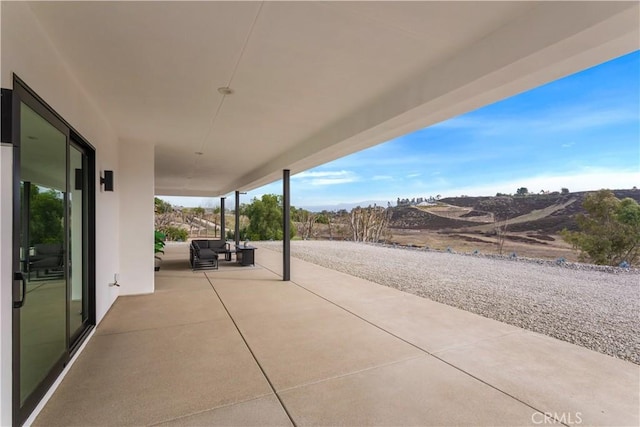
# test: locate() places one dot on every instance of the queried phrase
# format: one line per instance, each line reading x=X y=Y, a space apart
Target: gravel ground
x=586 y=305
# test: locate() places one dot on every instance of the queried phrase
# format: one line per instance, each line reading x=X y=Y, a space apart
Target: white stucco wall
x=6 y=180
x=135 y=186
x=27 y=52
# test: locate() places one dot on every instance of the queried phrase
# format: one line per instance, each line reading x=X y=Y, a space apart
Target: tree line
x=170 y=220
x=261 y=219
x=609 y=230
x=369 y=224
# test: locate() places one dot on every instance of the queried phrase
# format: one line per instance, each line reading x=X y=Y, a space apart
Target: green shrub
x=175 y=233
x=265 y=219
x=231 y=234
x=609 y=232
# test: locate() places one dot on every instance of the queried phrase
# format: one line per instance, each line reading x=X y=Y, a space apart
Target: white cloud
x=322 y=174
x=303 y=193
x=331 y=181
x=321 y=178
x=413 y=175
x=549 y=121
x=584 y=180
x=590 y=179
x=579 y=119
x=382 y=178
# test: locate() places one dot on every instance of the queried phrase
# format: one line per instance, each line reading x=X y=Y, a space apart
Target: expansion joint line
x=286 y=411
x=426 y=351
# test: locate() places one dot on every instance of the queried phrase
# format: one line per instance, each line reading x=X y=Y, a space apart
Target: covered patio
x=239 y=346
x=209 y=98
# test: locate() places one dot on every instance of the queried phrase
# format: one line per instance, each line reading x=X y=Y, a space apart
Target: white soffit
x=312 y=81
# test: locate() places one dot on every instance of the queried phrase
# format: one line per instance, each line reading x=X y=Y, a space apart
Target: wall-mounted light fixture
x=107 y=181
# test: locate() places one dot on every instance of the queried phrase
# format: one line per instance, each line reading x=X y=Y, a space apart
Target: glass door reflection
x=43 y=317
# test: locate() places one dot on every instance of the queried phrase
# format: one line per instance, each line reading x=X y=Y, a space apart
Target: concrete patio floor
x=238 y=346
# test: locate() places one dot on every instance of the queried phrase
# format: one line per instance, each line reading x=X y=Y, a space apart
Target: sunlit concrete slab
x=554 y=376
x=304 y=339
x=162 y=309
x=564 y=379
x=430 y=325
x=261 y=412
x=325 y=349
x=235 y=272
x=174 y=283
x=270 y=299
x=418 y=392
x=151 y=376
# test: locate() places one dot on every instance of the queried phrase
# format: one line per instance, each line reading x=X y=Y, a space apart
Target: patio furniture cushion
x=203 y=254
x=218 y=246
x=207 y=254
x=48 y=256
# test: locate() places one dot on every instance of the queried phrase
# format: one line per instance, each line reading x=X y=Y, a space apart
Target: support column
x=286 y=238
x=237 y=218
x=223 y=231
x=134 y=190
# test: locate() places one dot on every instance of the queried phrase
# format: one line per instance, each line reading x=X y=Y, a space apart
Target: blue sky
x=581 y=132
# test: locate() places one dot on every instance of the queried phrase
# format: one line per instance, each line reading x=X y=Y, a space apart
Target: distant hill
x=543 y=213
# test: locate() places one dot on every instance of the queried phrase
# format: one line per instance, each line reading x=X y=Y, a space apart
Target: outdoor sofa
x=203 y=254
x=47 y=258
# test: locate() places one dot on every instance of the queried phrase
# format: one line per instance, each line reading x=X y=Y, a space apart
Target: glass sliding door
x=54 y=257
x=43 y=317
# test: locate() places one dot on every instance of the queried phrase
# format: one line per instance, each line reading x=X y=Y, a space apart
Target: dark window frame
x=22 y=93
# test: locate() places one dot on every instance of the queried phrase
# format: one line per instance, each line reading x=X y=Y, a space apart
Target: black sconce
x=107 y=180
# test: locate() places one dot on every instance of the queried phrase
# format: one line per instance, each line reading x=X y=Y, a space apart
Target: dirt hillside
x=541 y=213
x=530 y=225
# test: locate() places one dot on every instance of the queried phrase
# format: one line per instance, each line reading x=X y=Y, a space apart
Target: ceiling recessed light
x=199 y=153
x=225 y=90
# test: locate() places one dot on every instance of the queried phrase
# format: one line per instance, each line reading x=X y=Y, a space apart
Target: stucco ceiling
x=311 y=81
